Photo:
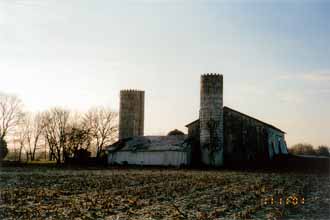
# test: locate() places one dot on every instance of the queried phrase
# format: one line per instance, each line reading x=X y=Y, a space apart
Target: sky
x=274 y=56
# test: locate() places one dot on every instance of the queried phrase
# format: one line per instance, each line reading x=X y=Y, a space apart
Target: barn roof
x=150 y=143
x=262 y=122
x=193 y=122
x=230 y=109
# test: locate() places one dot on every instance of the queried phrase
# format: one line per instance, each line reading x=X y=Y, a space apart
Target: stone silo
x=131 y=114
x=211 y=119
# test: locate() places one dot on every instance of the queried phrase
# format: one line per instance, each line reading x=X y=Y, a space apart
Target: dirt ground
x=113 y=194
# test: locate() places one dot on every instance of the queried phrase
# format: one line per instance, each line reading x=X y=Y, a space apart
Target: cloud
x=297 y=88
x=323 y=91
x=316 y=77
x=311 y=77
x=291 y=97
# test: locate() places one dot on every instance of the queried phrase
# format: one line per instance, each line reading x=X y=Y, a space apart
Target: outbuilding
x=150 y=150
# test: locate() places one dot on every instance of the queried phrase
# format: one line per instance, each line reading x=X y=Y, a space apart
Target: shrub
x=175 y=132
x=82 y=155
x=302 y=149
x=308 y=149
x=323 y=151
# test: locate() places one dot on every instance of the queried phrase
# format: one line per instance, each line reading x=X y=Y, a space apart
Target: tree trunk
x=20 y=153
x=58 y=159
x=34 y=151
x=34 y=148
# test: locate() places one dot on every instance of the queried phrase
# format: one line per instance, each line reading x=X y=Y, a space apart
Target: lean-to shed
x=150 y=150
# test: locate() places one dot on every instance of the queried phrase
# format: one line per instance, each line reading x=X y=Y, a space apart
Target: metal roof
x=150 y=143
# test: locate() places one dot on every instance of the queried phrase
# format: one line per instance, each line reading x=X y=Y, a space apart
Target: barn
x=171 y=150
x=220 y=135
x=245 y=138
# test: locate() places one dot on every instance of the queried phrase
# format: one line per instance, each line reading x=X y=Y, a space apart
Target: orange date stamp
x=284 y=200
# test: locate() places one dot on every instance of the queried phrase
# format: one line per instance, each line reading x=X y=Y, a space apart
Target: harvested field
x=50 y=193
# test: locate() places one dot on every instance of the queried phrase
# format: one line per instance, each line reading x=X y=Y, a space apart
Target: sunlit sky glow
x=275 y=58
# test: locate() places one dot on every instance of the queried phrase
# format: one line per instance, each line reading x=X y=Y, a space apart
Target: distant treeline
x=56 y=134
x=308 y=149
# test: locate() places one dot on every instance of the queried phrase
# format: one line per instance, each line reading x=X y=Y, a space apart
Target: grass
x=41 y=162
x=39 y=192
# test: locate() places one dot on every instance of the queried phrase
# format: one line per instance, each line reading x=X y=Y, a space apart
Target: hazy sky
x=275 y=58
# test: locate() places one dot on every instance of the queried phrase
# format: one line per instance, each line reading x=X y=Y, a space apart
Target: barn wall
x=244 y=138
x=194 y=130
x=276 y=143
x=194 y=141
x=159 y=158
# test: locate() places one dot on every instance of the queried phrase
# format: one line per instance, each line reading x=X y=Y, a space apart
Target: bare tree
x=30 y=133
x=22 y=133
x=35 y=136
x=10 y=113
x=103 y=125
x=78 y=140
x=55 y=123
x=79 y=136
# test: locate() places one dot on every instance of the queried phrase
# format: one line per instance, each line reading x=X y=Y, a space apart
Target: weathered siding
x=276 y=143
x=247 y=138
x=194 y=130
x=193 y=137
x=156 y=158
